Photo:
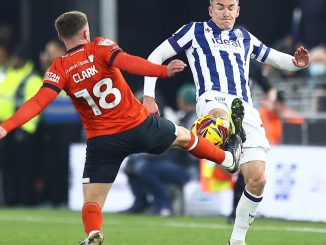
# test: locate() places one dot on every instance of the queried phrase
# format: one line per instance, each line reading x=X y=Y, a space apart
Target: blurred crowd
x=34 y=160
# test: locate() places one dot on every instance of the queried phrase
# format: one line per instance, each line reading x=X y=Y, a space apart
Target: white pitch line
x=263 y=228
x=35 y=219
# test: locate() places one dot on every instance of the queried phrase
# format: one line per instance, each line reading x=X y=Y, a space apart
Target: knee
x=256 y=184
x=183 y=137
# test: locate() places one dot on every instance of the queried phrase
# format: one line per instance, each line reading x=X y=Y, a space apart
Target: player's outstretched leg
x=234 y=145
x=237 y=114
x=94 y=238
x=201 y=148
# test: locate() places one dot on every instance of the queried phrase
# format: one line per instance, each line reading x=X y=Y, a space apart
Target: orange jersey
x=272 y=124
x=97 y=89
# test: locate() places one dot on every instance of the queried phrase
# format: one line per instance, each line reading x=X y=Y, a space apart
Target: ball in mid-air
x=211 y=128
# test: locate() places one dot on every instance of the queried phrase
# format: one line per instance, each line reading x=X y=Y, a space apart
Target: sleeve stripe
x=175 y=45
x=258 y=50
x=49 y=85
x=113 y=56
x=265 y=55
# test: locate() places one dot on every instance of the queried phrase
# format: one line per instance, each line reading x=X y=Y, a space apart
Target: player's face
x=224 y=13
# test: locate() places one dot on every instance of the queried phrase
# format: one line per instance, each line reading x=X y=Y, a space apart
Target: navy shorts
x=104 y=154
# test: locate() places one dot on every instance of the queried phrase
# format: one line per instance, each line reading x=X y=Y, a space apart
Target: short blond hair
x=70 y=23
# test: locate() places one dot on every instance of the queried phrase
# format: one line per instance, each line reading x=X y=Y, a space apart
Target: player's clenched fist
x=3 y=132
x=175 y=66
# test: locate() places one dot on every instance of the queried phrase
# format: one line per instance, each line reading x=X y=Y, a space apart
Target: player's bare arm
x=151 y=106
x=301 y=57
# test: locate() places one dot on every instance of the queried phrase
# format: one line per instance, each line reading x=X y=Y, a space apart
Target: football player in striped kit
x=219 y=58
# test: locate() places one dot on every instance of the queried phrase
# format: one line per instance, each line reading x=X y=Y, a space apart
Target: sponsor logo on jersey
x=71 y=68
x=105 y=42
x=227 y=44
x=50 y=76
x=81 y=76
x=80 y=63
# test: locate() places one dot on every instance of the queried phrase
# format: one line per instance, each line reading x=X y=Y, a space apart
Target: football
x=211 y=128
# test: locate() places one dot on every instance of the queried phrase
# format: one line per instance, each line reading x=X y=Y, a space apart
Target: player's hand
x=301 y=57
x=175 y=66
x=3 y=132
x=151 y=106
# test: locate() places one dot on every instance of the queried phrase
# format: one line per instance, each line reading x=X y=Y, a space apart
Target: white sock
x=228 y=160
x=235 y=242
x=245 y=214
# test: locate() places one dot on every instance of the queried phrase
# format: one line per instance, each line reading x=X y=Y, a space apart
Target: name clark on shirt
x=81 y=76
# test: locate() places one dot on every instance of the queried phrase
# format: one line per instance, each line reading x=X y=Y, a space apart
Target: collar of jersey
x=216 y=28
x=75 y=48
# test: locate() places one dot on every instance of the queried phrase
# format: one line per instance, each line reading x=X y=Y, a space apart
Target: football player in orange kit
x=116 y=124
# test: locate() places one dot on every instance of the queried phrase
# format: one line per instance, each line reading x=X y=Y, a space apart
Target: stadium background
x=138 y=27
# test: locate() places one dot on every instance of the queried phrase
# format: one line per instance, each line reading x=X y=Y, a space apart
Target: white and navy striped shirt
x=219 y=59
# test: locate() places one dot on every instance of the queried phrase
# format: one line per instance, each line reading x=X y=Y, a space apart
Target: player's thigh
x=158 y=135
x=96 y=192
x=255 y=132
x=104 y=155
x=252 y=124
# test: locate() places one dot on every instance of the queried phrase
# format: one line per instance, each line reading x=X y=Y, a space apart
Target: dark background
x=142 y=25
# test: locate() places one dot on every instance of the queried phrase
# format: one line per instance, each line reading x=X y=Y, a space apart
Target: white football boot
x=94 y=238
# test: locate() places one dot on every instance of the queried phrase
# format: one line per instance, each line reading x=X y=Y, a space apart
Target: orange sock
x=202 y=148
x=92 y=217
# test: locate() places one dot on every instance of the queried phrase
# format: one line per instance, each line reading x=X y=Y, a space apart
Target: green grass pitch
x=61 y=227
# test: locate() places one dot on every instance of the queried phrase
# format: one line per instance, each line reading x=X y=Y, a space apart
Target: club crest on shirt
x=208 y=29
x=91 y=58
